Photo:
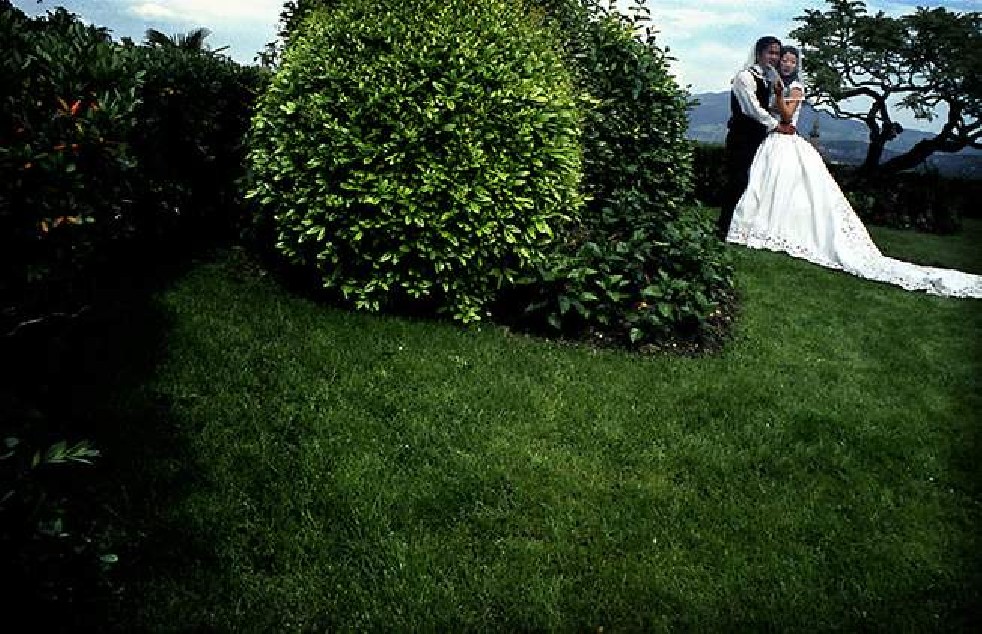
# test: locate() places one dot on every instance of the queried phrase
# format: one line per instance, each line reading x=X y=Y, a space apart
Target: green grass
x=289 y=466
x=958 y=252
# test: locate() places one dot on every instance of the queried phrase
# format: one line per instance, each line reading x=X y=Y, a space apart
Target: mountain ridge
x=846 y=140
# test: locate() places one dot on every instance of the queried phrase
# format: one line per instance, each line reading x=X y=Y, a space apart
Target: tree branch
x=44 y=319
x=925 y=59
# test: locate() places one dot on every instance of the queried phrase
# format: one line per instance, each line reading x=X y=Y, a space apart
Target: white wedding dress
x=792 y=204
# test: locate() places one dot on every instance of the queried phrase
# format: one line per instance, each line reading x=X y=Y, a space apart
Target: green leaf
x=564 y=304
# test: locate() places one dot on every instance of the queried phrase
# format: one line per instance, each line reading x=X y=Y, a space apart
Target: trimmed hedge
x=102 y=143
x=194 y=114
x=68 y=178
x=418 y=154
x=638 y=265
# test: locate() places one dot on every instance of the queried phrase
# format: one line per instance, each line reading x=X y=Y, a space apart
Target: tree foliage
x=191 y=41
x=291 y=16
x=925 y=62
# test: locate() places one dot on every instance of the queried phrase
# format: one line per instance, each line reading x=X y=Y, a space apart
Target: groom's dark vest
x=744 y=126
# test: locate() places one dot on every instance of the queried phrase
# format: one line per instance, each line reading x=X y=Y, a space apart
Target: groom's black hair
x=763 y=43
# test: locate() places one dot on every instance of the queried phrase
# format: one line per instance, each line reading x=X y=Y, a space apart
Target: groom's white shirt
x=745 y=89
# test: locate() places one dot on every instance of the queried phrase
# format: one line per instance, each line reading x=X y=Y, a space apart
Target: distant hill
x=845 y=139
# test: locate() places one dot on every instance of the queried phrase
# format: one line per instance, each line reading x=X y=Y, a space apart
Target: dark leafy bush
x=640 y=265
x=103 y=149
x=67 y=186
x=922 y=200
x=101 y=143
x=708 y=174
x=609 y=289
x=67 y=174
x=419 y=153
x=53 y=557
x=194 y=115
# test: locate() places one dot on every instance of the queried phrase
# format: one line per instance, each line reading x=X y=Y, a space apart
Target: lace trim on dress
x=759 y=240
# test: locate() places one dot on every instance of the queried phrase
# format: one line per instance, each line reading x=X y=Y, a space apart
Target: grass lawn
x=286 y=466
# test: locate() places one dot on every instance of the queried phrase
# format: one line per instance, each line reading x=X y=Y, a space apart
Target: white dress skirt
x=793 y=204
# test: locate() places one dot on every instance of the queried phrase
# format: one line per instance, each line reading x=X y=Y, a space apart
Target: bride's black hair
x=793 y=76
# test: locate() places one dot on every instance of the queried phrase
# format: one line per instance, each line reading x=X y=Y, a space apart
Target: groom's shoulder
x=744 y=75
x=754 y=72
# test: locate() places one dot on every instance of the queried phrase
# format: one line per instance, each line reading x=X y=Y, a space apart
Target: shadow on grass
x=965 y=462
x=85 y=379
x=101 y=380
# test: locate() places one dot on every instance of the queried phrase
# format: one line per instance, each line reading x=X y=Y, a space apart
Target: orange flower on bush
x=71 y=110
x=66 y=220
x=45 y=227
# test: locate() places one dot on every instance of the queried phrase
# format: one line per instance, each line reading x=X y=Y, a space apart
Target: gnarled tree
x=925 y=62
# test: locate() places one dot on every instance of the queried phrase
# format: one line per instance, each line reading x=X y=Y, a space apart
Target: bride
x=792 y=204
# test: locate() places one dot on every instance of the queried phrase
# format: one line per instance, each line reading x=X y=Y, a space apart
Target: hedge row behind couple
x=780 y=195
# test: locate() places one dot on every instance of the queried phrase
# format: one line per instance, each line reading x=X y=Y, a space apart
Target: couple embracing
x=780 y=195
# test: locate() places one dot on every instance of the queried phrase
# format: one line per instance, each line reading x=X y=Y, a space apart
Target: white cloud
x=685 y=18
x=735 y=5
x=686 y=22
x=209 y=11
x=708 y=66
x=711 y=39
x=150 y=10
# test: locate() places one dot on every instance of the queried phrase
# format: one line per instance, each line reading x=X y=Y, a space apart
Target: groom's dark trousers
x=744 y=137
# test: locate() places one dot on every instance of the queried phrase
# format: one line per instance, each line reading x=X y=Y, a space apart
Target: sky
x=710 y=39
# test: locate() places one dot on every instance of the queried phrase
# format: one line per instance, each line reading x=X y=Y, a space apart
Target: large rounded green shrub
x=420 y=152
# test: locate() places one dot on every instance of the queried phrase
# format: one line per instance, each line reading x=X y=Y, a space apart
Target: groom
x=749 y=124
